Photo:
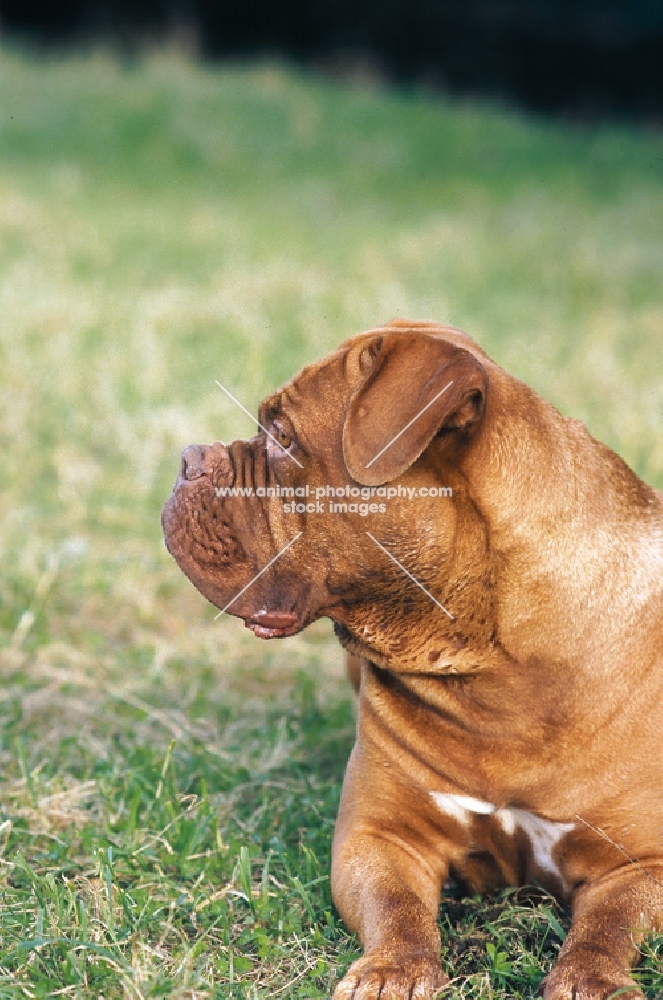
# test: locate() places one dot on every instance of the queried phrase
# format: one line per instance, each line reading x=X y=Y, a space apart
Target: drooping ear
x=416 y=386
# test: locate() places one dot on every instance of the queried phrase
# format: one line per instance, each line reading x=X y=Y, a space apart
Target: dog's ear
x=415 y=386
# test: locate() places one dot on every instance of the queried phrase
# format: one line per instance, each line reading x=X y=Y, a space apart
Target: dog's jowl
x=496 y=576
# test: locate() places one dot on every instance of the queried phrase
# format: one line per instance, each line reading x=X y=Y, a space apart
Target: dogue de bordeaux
x=496 y=576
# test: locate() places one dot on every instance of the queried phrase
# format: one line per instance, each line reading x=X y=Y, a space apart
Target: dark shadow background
x=580 y=58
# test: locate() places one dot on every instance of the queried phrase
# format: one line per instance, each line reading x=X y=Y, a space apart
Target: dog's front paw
x=581 y=977
x=382 y=974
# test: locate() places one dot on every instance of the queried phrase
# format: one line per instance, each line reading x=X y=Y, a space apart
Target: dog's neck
x=557 y=533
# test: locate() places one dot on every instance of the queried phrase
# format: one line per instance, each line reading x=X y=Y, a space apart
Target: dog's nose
x=193 y=462
x=205 y=460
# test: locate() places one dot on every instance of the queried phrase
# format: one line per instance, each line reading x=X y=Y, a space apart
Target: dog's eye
x=283 y=438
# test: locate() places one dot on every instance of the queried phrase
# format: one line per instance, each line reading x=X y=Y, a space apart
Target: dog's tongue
x=272 y=624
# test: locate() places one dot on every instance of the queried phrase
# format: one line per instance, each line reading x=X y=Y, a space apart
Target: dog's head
x=349 y=502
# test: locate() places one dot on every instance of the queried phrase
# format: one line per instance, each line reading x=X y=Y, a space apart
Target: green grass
x=169 y=783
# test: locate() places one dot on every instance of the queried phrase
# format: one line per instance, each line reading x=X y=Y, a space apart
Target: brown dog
x=509 y=637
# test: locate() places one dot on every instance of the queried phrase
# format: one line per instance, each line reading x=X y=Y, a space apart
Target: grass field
x=169 y=783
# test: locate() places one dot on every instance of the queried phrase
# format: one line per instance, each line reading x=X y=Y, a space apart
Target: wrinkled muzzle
x=218 y=531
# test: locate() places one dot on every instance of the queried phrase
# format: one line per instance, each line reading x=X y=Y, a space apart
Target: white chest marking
x=543 y=834
x=461 y=806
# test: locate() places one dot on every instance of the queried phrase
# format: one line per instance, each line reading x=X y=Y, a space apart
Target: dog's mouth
x=272 y=624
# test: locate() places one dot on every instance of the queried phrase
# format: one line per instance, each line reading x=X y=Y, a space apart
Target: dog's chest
x=535 y=839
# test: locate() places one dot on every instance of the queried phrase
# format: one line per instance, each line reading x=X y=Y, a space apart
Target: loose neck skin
x=578 y=537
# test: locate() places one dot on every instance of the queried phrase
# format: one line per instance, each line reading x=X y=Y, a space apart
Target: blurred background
x=192 y=192
x=577 y=56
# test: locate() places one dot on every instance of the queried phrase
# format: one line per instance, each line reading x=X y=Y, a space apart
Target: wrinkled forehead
x=312 y=391
x=325 y=386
